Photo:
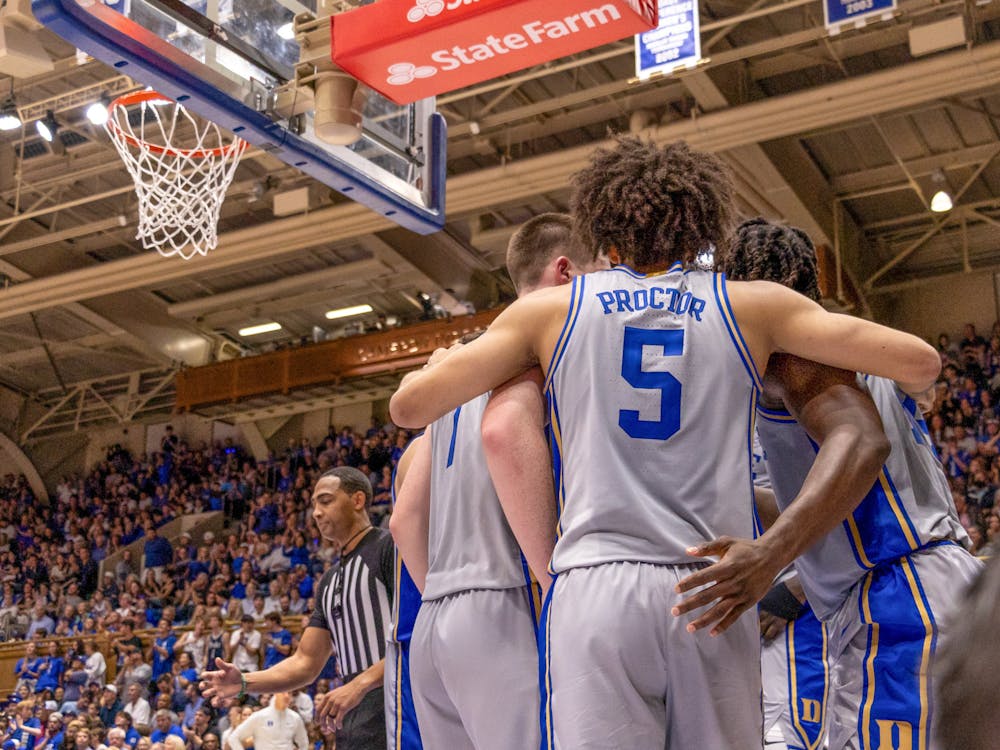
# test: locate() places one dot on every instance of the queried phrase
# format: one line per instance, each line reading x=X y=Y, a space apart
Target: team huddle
x=650 y=446
x=651 y=380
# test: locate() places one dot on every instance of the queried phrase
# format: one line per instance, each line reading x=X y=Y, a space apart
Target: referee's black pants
x=364 y=726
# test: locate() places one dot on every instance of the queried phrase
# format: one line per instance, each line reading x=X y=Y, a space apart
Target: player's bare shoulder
x=791 y=382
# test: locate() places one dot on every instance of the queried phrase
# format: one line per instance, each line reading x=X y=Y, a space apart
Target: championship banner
x=409 y=50
x=674 y=44
x=842 y=14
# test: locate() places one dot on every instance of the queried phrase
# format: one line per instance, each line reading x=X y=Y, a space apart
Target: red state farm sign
x=412 y=49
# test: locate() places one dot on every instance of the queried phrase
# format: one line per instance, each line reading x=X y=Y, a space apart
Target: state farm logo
x=401 y=74
x=529 y=34
x=429 y=8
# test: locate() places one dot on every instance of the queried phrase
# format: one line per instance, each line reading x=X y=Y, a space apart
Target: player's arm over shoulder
x=515 y=341
x=776 y=319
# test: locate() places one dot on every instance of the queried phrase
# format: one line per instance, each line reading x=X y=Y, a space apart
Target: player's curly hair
x=654 y=204
x=764 y=251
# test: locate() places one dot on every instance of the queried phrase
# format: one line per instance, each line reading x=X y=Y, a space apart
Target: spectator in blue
x=298 y=553
x=26 y=668
x=52 y=666
x=54 y=733
x=24 y=727
x=163 y=722
x=266 y=515
x=303 y=581
x=277 y=640
x=123 y=720
x=240 y=589
x=158 y=553
x=163 y=649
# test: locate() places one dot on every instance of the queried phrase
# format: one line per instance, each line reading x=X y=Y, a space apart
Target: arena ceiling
x=846 y=135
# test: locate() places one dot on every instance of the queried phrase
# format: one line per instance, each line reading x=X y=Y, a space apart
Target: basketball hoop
x=180 y=190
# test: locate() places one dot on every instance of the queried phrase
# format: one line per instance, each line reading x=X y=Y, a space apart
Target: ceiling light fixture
x=941 y=202
x=259 y=329
x=286 y=31
x=9 y=117
x=97 y=112
x=47 y=127
x=346 y=312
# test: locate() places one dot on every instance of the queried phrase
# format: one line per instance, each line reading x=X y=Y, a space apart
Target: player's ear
x=564 y=270
x=614 y=257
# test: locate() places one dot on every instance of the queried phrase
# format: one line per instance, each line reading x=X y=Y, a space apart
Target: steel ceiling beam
x=773 y=118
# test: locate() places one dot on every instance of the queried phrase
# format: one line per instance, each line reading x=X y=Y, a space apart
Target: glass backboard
x=234 y=62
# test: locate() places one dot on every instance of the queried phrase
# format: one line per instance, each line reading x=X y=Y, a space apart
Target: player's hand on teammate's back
x=741 y=577
x=335 y=705
x=221 y=684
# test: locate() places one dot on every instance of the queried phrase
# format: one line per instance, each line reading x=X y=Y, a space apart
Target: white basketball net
x=180 y=190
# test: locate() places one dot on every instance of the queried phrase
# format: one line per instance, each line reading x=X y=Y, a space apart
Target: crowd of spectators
x=237 y=594
x=964 y=426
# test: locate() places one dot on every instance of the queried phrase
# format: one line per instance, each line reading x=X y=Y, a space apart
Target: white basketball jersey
x=470 y=545
x=908 y=507
x=651 y=395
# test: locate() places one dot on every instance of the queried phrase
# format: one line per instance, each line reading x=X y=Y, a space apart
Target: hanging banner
x=855 y=13
x=674 y=44
x=414 y=49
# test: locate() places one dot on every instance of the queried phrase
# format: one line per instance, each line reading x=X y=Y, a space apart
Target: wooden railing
x=326 y=363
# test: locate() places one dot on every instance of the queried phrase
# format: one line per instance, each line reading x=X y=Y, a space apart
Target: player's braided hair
x=765 y=251
x=654 y=204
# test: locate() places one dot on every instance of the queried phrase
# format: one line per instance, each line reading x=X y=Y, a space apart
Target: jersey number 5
x=671 y=342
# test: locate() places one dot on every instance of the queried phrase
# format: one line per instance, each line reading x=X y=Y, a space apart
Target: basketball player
x=793 y=667
x=401 y=726
x=474 y=651
x=651 y=375
x=886 y=581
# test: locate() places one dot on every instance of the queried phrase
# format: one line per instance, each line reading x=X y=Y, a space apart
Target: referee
x=352 y=613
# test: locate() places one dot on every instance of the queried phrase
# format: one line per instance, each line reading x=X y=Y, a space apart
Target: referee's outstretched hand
x=220 y=684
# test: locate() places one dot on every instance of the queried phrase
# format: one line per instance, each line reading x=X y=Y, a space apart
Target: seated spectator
x=109 y=705
x=137 y=707
x=123 y=720
x=53 y=737
x=84 y=738
x=25 y=728
x=41 y=624
x=164 y=724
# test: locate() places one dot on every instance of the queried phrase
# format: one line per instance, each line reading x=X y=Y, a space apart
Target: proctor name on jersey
x=655 y=298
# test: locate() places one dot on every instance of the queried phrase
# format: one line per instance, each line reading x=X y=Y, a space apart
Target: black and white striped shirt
x=354 y=603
